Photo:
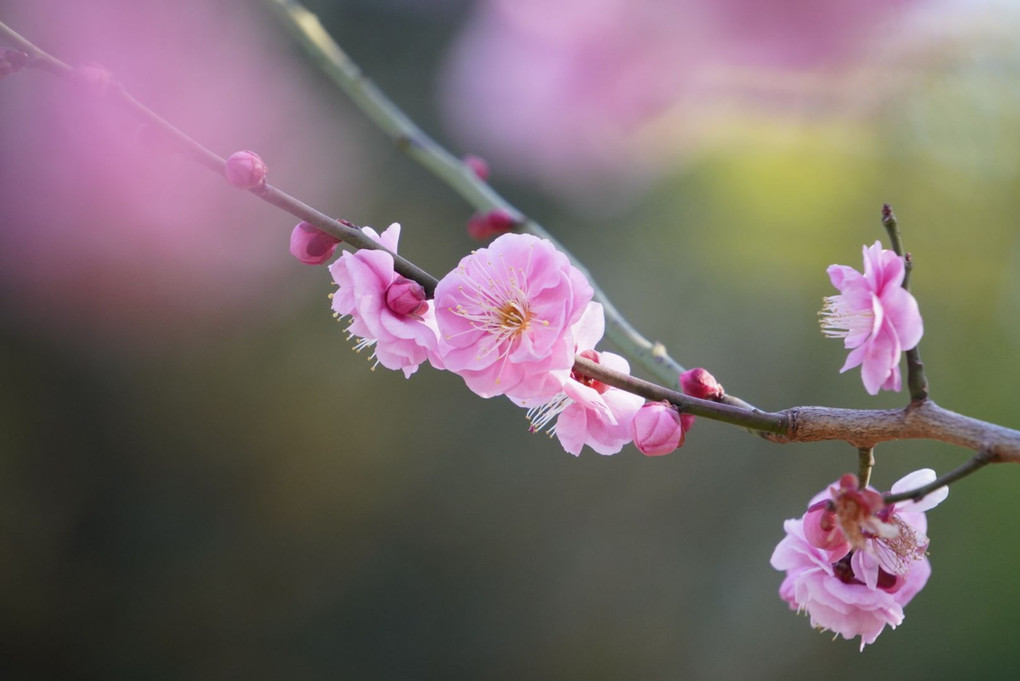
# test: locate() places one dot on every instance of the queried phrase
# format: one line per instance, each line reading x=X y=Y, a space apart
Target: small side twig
x=978 y=461
x=917 y=381
x=865 y=463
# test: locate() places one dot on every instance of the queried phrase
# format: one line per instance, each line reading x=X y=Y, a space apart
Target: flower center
x=513 y=318
x=839 y=319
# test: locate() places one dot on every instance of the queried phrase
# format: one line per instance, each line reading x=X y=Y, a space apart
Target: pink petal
x=914 y=480
x=903 y=313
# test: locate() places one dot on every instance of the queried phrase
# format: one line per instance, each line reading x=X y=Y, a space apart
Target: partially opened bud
x=701 y=384
x=487 y=225
x=478 y=165
x=246 y=170
x=311 y=245
x=406 y=297
x=657 y=429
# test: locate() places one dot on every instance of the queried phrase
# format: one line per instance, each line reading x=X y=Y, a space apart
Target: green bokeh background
x=254 y=502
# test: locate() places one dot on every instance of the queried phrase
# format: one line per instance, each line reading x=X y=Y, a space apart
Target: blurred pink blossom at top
x=563 y=90
x=108 y=234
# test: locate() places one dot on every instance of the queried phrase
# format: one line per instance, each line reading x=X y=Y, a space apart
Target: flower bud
x=406 y=297
x=246 y=170
x=486 y=225
x=657 y=429
x=311 y=245
x=12 y=61
x=478 y=165
x=701 y=384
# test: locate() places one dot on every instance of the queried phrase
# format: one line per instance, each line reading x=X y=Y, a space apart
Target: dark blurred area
x=200 y=480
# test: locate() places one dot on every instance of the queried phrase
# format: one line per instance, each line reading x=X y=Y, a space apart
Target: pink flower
x=857 y=585
x=505 y=316
x=311 y=245
x=388 y=311
x=587 y=411
x=875 y=315
x=595 y=94
x=657 y=429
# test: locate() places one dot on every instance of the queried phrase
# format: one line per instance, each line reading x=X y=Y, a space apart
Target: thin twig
x=192 y=149
x=917 y=380
x=979 y=460
x=409 y=138
x=865 y=462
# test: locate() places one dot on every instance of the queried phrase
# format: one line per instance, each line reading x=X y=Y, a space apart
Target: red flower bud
x=701 y=384
x=406 y=297
x=246 y=170
x=478 y=165
x=486 y=225
x=311 y=245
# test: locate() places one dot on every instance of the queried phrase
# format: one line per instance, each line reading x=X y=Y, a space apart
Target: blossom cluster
x=852 y=562
x=509 y=320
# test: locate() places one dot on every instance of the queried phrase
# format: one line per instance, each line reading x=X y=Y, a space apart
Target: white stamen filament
x=839 y=320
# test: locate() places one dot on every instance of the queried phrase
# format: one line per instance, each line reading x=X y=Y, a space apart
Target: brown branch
x=862 y=428
x=922 y=419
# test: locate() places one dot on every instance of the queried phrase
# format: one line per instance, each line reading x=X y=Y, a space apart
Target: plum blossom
x=877 y=318
x=388 y=312
x=587 y=411
x=852 y=563
x=505 y=317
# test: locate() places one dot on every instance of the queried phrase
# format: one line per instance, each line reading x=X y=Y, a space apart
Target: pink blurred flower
x=505 y=316
x=587 y=411
x=377 y=300
x=576 y=91
x=144 y=249
x=12 y=61
x=856 y=589
x=875 y=315
x=657 y=429
x=311 y=245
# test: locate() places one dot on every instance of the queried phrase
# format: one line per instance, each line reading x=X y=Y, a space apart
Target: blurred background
x=200 y=480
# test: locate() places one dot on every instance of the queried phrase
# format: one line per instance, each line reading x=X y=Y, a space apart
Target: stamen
x=838 y=319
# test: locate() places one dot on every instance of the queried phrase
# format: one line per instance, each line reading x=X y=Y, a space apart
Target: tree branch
x=861 y=428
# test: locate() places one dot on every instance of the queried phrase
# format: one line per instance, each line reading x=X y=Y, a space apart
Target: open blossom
x=388 y=312
x=587 y=411
x=505 y=316
x=875 y=315
x=853 y=564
